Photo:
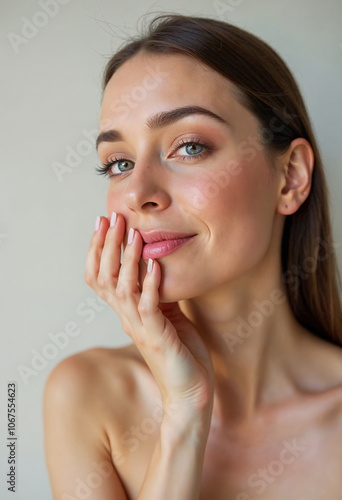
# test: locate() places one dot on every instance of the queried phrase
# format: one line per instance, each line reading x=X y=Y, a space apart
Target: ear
x=296 y=174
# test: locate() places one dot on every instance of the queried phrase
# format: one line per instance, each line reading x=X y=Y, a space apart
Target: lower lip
x=162 y=248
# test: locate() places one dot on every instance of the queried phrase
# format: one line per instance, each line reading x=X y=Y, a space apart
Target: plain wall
x=50 y=100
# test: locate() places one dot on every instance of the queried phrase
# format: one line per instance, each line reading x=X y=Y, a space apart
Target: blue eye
x=107 y=167
x=194 y=148
x=120 y=164
x=193 y=145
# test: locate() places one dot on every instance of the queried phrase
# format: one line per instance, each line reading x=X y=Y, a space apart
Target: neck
x=251 y=334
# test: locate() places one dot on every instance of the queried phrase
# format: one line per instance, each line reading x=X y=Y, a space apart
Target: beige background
x=50 y=99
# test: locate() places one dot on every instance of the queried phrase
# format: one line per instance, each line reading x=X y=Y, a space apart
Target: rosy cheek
x=217 y=189
x=112 y=203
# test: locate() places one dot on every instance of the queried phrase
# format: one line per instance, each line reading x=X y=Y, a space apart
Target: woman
x=228 y=285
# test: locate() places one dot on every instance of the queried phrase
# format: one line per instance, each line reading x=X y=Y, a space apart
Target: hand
x=168 y=341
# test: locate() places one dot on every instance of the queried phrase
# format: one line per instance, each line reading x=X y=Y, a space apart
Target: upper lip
x=154 y=235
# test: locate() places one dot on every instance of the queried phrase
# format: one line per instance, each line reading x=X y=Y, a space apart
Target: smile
x=162 y=248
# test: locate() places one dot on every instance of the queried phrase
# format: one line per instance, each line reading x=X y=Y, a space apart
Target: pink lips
x=162 y=248
x=159 y=242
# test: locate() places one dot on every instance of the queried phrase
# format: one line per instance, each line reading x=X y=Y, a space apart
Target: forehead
x=147 y=82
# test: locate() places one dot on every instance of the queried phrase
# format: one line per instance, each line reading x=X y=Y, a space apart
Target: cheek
x=112 y=202
x=241 y=214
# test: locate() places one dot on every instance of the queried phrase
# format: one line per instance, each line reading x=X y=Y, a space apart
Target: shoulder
x=104 y=381
x=77 y=404
x=84 y=370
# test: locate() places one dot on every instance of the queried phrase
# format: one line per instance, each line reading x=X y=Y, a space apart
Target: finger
x=151 y=316
x=110 y=258
x=128 y=291
x=94 y=252
x=127 y=288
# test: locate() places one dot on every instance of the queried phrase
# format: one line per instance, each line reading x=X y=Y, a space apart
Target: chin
x=174 y=291
x=168 y=291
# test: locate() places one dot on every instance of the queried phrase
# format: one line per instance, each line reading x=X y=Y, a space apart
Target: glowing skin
x=235 y=258
x=277 y=388
x=235 y=227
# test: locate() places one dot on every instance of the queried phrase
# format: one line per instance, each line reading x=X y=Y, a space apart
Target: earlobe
x=298 y=164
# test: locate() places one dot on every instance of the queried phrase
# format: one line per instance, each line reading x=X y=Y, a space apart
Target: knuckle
x=144 y=308
x=125 y=326
x=156 y=348
x=106 y=281
x=88 y=278
x=102 y=280
x=125 y=259
x=121 y=292
x=111 y=237
x=148 y=287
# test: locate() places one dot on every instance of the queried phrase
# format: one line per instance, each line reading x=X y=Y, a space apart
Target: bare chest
x=303 y=464
x=300 y=457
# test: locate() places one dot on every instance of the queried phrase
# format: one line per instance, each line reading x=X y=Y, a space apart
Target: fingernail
x=97 y=223
x=113 y=219
x=150 y=265
x=130 y=236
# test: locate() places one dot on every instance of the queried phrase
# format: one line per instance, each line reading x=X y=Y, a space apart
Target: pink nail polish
x=97 y=223
x=113 y=219
x=150 y=265
x=130 y=236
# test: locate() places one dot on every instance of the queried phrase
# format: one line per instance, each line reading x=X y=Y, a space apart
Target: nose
x=147 y=187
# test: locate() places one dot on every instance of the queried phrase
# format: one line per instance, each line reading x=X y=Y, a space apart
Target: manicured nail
x=130 y=236
x=97 y=223
x=113 y=219
x=150 y=265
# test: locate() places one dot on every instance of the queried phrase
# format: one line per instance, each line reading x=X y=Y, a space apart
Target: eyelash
x=105 y=168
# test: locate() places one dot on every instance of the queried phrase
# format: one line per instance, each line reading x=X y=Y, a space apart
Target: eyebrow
x=160 y=120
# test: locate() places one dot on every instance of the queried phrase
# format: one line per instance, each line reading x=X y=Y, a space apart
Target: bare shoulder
x=108 y=381
x=80 y=403
x=94 y=368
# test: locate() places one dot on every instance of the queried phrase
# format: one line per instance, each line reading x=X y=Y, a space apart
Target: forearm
x=175 y=469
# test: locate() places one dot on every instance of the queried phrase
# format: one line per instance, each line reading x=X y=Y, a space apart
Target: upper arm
x=76 y=449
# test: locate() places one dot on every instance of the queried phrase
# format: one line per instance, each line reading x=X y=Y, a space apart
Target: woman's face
x=222 y=189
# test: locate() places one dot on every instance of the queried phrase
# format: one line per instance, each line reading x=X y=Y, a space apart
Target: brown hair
x=266 y=87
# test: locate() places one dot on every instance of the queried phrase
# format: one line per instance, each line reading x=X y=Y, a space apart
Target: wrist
x=179 y=424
